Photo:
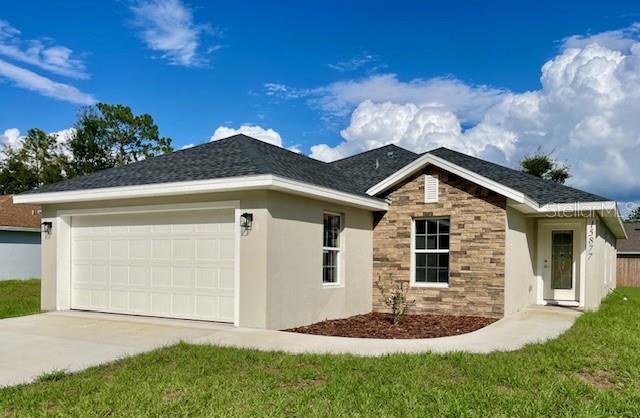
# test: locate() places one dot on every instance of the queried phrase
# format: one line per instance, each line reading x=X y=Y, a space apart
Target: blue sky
x=350 y=75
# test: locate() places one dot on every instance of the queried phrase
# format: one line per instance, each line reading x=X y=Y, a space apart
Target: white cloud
x=35 y=82
x=254 y=131
x=354 y=63
x=168 y=26
x=55 y=59
x=187 y=146
x=340 y=98
x=11 y=137
x=620 y=39
x=416 y=127
x=586 y=110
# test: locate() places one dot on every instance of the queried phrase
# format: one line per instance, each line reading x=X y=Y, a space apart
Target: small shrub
x=396 y=299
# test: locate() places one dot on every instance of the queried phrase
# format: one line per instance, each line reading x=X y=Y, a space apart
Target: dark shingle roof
x=240 y=155
x=371 y=167
x=632 y=243
x=540 y=190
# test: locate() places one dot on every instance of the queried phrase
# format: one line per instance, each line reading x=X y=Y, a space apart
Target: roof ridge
x=299 y=154
x=371 y=150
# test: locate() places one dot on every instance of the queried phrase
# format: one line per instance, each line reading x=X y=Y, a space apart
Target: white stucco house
x=244 y=232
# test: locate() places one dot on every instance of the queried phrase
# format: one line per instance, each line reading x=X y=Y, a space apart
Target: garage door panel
x=183 y=249
x=163 y=264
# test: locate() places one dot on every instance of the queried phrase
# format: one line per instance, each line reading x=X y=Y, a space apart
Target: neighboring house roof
x=18 y=217
x=632 y=243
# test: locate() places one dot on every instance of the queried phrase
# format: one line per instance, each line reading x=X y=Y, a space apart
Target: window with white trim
x=431 y=251
x=332 y=229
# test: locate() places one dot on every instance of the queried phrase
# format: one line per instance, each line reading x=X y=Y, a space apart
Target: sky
x=330 y=79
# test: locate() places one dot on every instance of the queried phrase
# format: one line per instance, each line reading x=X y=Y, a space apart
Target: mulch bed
x=380 y=325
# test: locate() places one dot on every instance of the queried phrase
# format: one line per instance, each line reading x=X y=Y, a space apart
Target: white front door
x=169 y=264
x=560 y=261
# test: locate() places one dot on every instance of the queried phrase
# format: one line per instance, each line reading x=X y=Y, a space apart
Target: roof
x=18 y=216
x=540 y=190
x=240 y=155
x=632 y=243
x=235 y=156
x=371 y=167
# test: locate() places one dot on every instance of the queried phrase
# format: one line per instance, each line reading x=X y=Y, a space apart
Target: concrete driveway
x=73 y=341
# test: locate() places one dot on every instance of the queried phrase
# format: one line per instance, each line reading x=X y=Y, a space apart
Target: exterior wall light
x=47 y=227
x=246 y=221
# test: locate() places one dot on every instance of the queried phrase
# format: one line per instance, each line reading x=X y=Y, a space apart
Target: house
x=629 y=256
x=19 y=240
x=241 y=231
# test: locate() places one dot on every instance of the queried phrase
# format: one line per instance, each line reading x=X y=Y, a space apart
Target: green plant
x=396 y=299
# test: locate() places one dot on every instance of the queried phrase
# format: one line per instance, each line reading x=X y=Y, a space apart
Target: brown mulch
x=380 y=325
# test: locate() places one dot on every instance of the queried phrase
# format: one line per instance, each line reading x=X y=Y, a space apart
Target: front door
x=560 y=263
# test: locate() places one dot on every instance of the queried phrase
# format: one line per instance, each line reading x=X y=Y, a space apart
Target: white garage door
x=178 y=264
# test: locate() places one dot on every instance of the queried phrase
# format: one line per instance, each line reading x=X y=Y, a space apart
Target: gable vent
x=430 y=188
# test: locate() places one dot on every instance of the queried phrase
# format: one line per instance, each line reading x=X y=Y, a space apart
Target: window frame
x=414 y=252
x=339 y=280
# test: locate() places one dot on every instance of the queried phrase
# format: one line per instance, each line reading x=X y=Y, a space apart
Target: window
x=431 y=251
x=331 y=248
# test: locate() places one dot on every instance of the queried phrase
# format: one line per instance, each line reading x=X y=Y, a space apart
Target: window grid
x=431 y=250
x=331 y=246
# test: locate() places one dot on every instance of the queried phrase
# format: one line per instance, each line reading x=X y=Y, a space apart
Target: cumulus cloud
x=255 y=131
x=619 y=39
x=416 y=127
x=29 y=80
x=340 y=98
x=168 y=27
x=11 y=137
x=56 y=59
x=585 y=110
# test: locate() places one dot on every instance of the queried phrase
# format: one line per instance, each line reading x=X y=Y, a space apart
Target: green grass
x=592 y=370
x=19 y=297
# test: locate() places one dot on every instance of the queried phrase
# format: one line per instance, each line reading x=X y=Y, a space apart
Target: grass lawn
x=19 y=297
x=592 y=370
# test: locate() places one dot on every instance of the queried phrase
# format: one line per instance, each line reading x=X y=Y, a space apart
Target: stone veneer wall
x=477 y=248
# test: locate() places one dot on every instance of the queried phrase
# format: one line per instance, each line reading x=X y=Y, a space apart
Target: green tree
x=88 y=146
x=544 y=166
x=111 y=135
x=38 y=161
x=634 y=215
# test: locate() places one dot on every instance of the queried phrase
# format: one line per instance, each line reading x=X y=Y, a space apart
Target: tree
x=544 y=166
x=111 y=135
x=38 y=161
x=88 y=146
x=634 y=215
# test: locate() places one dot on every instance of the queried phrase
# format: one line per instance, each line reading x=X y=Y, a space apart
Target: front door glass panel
x=562 y=260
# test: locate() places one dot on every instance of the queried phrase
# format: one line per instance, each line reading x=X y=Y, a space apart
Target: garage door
x=178 y=264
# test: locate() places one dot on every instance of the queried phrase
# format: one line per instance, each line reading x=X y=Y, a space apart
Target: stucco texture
x=280 y=257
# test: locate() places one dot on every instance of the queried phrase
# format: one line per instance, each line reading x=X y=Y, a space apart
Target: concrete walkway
x=73 y=341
